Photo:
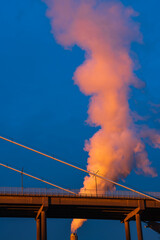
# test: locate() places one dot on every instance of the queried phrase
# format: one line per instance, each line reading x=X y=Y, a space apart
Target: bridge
x=41 y=204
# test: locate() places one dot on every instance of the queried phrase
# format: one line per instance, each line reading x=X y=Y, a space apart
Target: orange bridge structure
x=41 y=204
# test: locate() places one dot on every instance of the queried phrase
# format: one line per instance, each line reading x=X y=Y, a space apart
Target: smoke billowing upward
x=105 y=30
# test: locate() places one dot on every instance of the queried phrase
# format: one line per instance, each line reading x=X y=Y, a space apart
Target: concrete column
x=139 y=227
x=127 y=230
x=38 y=224
x=43 y=226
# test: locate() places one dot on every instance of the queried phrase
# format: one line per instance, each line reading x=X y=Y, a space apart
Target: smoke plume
x=105 y=30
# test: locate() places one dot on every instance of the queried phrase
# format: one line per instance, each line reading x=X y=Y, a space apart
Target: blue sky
x=42 y=108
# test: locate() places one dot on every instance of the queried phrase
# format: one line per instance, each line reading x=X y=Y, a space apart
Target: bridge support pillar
x=127 y=230
x=38 y=224
x=43 y=226
x=139 y=227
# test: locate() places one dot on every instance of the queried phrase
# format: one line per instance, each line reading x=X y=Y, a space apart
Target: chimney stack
x=73 y=236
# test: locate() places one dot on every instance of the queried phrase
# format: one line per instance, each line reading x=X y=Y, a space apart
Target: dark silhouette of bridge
x=41 y=204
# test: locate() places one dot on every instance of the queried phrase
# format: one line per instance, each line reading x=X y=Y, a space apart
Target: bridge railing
x=86 y=192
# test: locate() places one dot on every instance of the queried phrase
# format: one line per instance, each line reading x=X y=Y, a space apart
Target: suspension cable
x=39 y=179
x=81 y=169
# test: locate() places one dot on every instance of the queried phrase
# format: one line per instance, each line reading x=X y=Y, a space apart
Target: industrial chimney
x=73 y=236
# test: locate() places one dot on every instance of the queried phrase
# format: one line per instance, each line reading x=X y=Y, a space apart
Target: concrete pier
x=38 y=225
x=43 y=226
x=139 y=227
x=127 y=230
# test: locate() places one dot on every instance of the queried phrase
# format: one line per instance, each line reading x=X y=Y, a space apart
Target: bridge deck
x=115 y=205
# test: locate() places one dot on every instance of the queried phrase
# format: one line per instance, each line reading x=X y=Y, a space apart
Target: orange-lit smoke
x=105 y=31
